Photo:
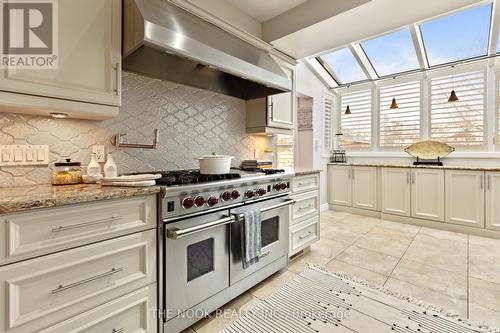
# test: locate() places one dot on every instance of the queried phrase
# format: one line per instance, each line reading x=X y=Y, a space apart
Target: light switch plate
x=13 y=155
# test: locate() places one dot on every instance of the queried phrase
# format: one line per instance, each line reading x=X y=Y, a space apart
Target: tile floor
x=459 y=272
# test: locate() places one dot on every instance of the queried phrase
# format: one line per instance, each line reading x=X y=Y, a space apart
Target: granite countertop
x=306 y=171
x=449 y=167
x=21 y=198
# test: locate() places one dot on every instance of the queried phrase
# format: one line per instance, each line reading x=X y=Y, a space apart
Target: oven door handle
x=175 y=233
x=288 y=202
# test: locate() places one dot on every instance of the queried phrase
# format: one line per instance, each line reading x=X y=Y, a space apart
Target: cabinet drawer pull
x=90 y=279
x=86 y=224
x=117 y=78
x=118 y=330
x=309 y=233
x=305 y=207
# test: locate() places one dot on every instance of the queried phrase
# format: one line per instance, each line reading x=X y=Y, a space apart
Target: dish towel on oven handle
x=251 y=241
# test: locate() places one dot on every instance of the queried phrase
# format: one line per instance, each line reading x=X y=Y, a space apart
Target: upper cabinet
x=86 y=83
x=272 y=114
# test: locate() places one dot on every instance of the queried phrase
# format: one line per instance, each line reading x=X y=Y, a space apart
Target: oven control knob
x=187 y=202
x=283 y=186
x=261 y=191
x=212 y=201
x=225 y=196
x=199 y=201
x=250 y=194
x=277 y=187
x=235 y=195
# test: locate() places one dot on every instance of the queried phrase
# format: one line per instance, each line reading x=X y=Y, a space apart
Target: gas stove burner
x=272 y=171
x=185 y=177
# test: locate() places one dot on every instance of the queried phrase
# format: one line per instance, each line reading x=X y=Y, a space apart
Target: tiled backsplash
x=191 y=122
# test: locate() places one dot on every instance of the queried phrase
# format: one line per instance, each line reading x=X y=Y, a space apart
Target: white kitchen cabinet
x=89 y=71
x=396 y=192
x=464 y=197
x=364 y=187
x=427 y=194
x=280 y=110
x=339 y=185
x=493 y=200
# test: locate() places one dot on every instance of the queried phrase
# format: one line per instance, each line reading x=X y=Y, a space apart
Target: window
x=458 y=123
x=328 y=130
x=343 y=66
x=380 y=52
x=357 y=126
x=459 y=36
x=400 y=127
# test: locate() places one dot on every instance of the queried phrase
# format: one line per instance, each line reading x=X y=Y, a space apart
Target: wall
x=308 y=84
x=191 y=122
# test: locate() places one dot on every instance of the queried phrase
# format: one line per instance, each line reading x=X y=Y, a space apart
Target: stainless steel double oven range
x=200 y=259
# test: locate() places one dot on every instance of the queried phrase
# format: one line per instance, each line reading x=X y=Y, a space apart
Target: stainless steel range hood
x=164 y=41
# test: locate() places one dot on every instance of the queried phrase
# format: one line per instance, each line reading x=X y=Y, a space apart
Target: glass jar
x=67 y=173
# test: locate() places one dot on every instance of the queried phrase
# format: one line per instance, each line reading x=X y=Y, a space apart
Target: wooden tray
x=429 y=150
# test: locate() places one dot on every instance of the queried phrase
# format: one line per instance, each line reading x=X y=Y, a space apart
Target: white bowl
x=214 y=164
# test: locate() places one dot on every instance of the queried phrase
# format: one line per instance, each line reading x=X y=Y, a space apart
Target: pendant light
x=394 y=104
x=453 y=95
x=347 y=109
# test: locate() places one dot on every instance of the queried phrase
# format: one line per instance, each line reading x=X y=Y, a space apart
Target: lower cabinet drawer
x=43 y=291
x=34 y=233
x=134 y=312
x=306 y=206
x=304 y=234
x=305 y=183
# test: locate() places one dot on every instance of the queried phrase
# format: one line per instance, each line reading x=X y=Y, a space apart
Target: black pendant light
x=394 y=104
x=453 y=95
x=347 y=109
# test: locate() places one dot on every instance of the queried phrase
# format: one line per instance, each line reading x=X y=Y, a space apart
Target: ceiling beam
x=494 y=29
x=363 y=61
x=418 y=43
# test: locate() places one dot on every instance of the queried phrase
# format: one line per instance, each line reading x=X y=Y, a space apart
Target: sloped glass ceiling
x=459 y=36
x=448 y=39
x=343 y=66
x=392 y=53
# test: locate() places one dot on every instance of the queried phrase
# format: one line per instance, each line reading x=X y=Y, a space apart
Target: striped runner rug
x=318 y=301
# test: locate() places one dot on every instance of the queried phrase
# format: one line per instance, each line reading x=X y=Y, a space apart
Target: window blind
x=328 y=130
x=462 y=122
x=356 y=127
x=400 y=127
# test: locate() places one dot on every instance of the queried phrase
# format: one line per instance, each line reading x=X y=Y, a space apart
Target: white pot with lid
x=214 y=164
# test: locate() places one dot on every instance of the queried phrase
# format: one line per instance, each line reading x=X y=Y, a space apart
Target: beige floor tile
x=329 y=248
x=300 y=263
x=443 y=253
x=189 y=330
x=227 y=314
x=485 y=293
x=371 y=260
x=341 y=233
x=484 y=258
x=390 y=244
x=364 y=274
x=443 y=234
x=483 y=316
x=274 y=282
x=398 y=227
x=448 y=303
x=358 y=224
x=431 y=277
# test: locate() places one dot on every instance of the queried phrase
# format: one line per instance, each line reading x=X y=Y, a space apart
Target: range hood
x=164 y=41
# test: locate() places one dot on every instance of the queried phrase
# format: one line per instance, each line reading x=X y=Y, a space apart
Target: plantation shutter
x=356 y=127
x=400 y=127
x=462 y=122
x=328 y=130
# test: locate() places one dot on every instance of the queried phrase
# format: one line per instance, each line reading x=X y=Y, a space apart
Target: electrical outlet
x=100 y=153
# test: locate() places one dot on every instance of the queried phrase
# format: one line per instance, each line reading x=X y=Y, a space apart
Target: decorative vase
x=110 y=169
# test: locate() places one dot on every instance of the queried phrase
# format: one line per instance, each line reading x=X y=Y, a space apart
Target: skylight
x=344 y=66
x=392 y=53
x=459 y=36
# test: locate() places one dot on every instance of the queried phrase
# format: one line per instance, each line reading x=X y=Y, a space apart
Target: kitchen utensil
x=214 y=164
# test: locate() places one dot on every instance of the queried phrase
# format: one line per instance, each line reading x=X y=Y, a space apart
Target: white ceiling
x=263 y=10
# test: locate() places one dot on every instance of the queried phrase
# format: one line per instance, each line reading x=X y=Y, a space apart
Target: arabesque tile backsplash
x=191 y=122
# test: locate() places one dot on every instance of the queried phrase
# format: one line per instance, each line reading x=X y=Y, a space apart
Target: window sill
x=388 y=154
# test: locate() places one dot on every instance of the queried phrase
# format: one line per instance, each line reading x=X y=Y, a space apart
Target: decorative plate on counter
x=429 y=150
